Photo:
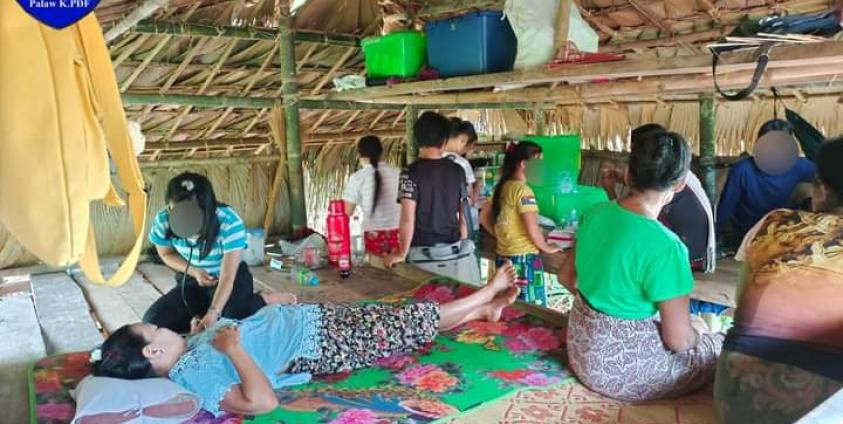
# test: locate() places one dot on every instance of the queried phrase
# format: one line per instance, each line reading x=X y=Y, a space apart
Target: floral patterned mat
x=444 y=380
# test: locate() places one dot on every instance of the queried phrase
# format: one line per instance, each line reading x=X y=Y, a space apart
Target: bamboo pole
x=130 y=99
x=290 y=104
x=454 y=6
x=708 y=145
x=242 y=33
x=410 y=135
x=181 y=163
x=140 y=68
x=146 y=9
x=308 y=139
x=563 y=25
x=538 y=115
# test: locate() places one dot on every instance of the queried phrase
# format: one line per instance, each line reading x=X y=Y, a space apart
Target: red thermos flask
x=339 y=237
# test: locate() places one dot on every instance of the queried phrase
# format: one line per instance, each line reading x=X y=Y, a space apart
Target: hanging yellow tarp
x=60 y=118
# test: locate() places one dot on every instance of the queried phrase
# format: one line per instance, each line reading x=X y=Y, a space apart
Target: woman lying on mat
x=234 y=366
x=202 y=240
x=784 y=356
x=629 y=267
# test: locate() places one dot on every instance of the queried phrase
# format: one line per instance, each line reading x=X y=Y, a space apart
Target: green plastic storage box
x=399 y=54
x=561 y=158
x=559 y=206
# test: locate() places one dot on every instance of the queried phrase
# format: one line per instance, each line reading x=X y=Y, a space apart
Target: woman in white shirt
x=375 y=189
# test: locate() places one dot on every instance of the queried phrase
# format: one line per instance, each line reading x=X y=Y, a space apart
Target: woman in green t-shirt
x=629 y=270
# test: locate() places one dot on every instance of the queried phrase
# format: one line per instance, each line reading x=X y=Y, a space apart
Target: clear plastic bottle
x=358 y=248
x=573 y=221
x=566 y=183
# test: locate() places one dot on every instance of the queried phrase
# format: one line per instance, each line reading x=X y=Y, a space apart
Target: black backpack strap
x=760 y=67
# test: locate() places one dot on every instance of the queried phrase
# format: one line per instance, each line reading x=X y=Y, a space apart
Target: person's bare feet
x=503 y=279
x=278 y=298
x=501 y=301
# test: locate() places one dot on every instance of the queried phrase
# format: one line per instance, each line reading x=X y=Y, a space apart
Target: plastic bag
x=534 y=24
x=315 y=241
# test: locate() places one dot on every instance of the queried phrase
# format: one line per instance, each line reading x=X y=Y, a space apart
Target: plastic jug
x=339 y=237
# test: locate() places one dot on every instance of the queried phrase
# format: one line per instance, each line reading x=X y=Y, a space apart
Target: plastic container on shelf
x=471 y=44
x=399 y=54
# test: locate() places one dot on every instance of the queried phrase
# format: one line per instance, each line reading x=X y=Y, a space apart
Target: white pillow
x=104 y=400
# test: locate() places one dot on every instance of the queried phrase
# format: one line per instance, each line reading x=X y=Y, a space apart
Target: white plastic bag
x=254 y=253
x=534 y=24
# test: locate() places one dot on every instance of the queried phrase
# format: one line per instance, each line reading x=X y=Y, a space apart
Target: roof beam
x=335 y=138
x=130 y=99
x=242 y=33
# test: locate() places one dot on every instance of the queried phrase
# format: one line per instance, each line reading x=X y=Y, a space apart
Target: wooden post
x=708 y=145
x=410 y=135
x=563 y=25
x=538 y=115
x=291 y=115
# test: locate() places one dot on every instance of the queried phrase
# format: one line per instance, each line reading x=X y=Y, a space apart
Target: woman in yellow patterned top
x=784 y=355
x=513 y=220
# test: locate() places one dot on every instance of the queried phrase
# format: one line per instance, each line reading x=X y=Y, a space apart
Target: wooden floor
x=718 y=287
x=60 y=312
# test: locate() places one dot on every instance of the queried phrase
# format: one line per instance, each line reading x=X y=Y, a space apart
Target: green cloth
x=627 y=263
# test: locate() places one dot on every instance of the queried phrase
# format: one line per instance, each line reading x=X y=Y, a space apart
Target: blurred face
x=458 y=144
x=163 y=347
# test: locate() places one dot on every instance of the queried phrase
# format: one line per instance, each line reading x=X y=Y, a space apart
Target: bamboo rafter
x=242 y=33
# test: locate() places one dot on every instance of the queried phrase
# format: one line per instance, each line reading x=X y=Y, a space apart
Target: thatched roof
x=216 y=48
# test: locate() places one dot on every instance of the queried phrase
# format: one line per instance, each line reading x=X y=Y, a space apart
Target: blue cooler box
x=475 y=43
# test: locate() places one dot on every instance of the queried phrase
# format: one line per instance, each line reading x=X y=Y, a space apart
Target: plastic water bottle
x=358 y=249
x=573 y=220
x=304 y=277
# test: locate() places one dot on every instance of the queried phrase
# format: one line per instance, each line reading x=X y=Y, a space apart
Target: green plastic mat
x=463 y=370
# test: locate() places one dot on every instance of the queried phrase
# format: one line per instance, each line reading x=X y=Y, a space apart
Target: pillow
x=104 y=400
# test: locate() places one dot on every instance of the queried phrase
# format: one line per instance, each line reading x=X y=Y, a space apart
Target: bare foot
x=501 y=301
x=503 y=279
x=278 y=298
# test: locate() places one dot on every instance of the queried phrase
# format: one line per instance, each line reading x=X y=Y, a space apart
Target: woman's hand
x=209 y=319
x=195 y=326
x=550 y=249
x=203 y=278
x=227 y=340
x=391 y=259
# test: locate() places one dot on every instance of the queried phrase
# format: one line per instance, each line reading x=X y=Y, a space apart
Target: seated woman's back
x=794 y=285
x=788 y=333
x=627 y=263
